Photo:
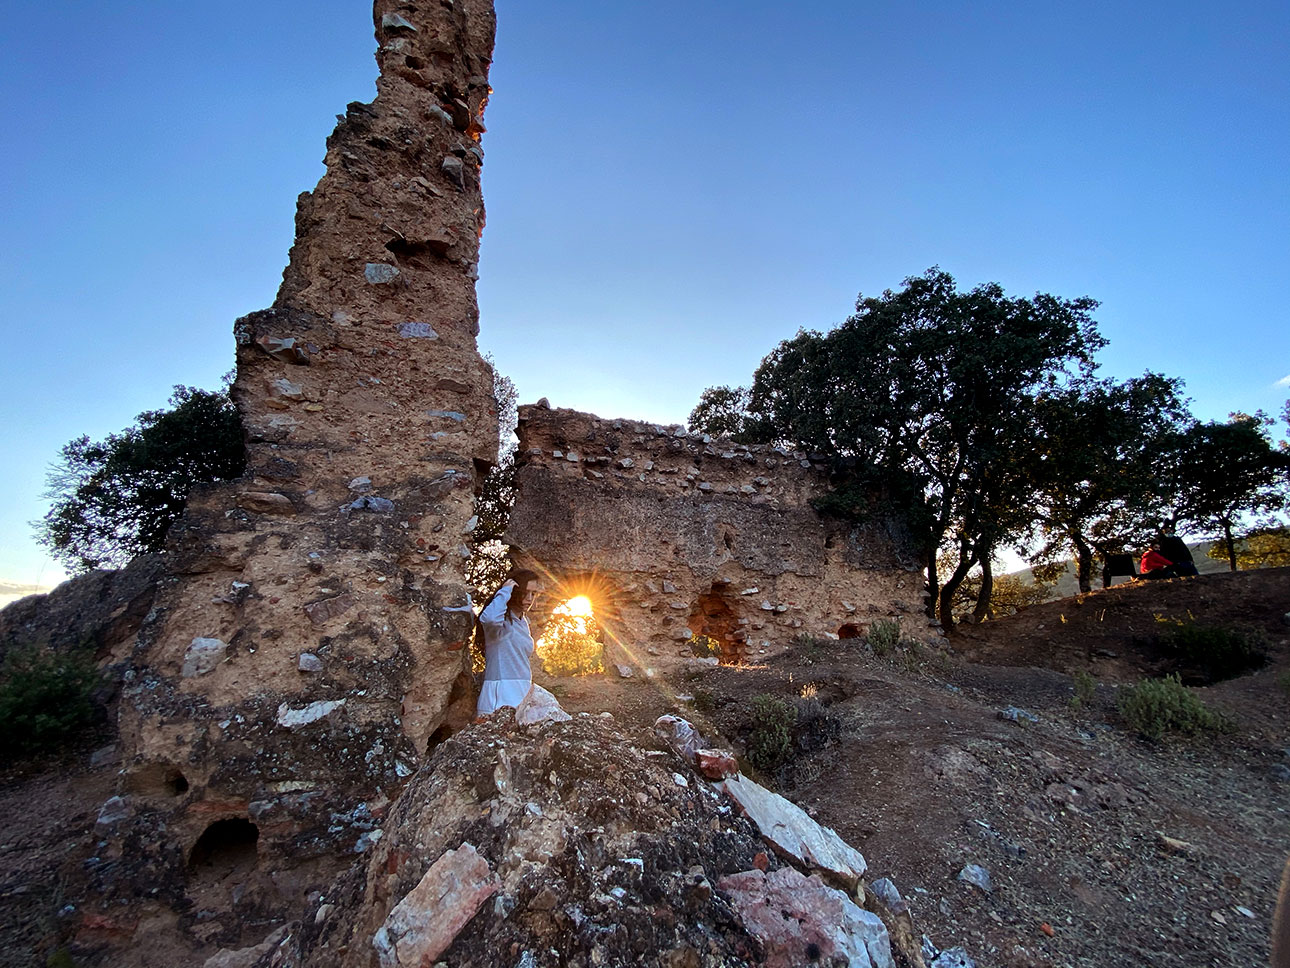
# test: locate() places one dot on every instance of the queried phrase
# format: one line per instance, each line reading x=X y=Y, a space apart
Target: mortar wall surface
x=301 y=654
x=675 y=534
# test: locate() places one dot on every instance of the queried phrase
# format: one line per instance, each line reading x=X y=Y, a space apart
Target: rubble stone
x=800 y=920
x=203 y=655
x=425 y=922
x=795 y=834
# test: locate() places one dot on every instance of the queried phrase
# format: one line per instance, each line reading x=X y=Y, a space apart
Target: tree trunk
x=1084 y=564
x=933 y=586
x=946 y=601
x=1231 y=544
x=983 y=611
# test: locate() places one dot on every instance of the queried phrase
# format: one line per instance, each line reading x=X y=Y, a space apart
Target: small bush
x=1212 y=652
x=770 y=733
x=571 y=646
x=805 y=640
x=814 y=727
x=705 y=646
x=1156 y=706
x=1085 y=689
x=704 y=701
x=883 y=636
x=45 y=700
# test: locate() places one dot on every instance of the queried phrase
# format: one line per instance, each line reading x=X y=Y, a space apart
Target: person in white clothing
x=508 y=643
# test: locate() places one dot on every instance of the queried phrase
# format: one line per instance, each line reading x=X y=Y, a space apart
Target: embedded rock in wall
x=304 y=655
x=674 y=534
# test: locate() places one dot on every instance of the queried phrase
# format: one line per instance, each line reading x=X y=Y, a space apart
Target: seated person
x=1155 y=565
x=1175 y=549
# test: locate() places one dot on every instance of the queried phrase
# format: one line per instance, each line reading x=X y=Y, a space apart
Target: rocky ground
x=1102 y=849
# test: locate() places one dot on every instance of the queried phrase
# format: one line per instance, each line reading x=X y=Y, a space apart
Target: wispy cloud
x=1283 y=382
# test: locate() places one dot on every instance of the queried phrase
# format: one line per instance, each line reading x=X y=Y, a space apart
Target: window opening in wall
x=572 y=643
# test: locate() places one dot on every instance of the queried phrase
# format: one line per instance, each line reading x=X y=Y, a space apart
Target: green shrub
x=884 y=636
x=1085 y=689
x=704 y=701
x=1156 y=706
x=1212 y=652
x=704 y=646
x=770 y=732
x=45 y=700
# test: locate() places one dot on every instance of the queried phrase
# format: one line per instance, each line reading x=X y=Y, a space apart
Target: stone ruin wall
x=300 y=657
x=673 y=534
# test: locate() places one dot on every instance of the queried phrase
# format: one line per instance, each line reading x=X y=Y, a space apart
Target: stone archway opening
x=226 y=848
x=572 y=640
x=713 y=619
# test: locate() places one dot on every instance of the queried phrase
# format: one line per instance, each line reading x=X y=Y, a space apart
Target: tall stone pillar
x=305 y=651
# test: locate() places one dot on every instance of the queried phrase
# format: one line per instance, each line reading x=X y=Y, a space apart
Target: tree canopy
x=116 y=498
x=1221 y=472
x=1095 y=464
x=930 y=384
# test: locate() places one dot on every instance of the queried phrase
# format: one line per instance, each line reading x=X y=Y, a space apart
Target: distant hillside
x=10 y=592
x=1068 y=585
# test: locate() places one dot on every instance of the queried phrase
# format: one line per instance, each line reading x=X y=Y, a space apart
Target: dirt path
x=1069 y=813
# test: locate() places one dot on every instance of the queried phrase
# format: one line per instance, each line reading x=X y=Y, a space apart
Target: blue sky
x=671 y=188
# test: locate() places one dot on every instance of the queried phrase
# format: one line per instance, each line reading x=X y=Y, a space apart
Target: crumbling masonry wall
x=303 y=653
x=675 y=534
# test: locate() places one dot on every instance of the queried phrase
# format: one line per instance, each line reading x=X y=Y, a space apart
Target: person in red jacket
x=1155 y=565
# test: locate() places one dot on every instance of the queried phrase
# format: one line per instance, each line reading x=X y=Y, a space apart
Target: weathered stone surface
x=977 y=876
x=539 y=706
x=296 y=718
x=100 y=609
x=320 y=613
x=794 y=833
x=417 y=331
x=680 y=735
x=333 y=384
x=601 y=857
x=245 y=957
x=309 y=663
x=425 y=922
x=203 y=655
x=380 y=273
x=658 y=529
x=800 y=920
x=266 y=502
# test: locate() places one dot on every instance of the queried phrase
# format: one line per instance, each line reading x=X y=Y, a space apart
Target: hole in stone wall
x=712 y=617
x=416 y=63
x=850 y=631
x=418 y=255
x=225 y=847
x=438 y=736
x=157 y=780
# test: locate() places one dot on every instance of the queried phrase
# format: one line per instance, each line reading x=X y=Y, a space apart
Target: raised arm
x=495 y=613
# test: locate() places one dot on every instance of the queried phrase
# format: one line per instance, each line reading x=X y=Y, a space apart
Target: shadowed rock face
x=293 y=669
x=674 y=534
x=571 y=843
